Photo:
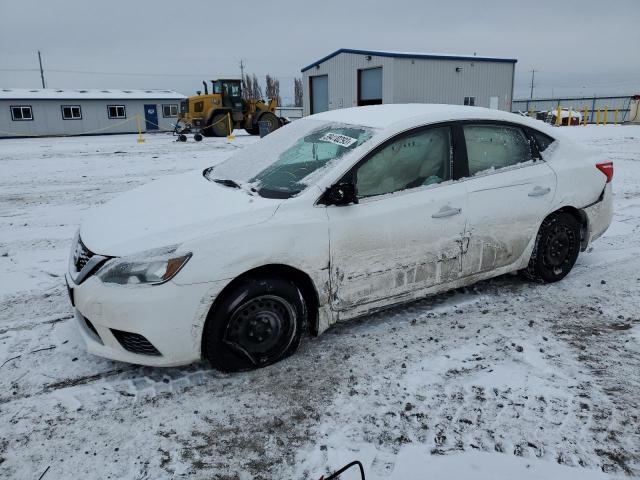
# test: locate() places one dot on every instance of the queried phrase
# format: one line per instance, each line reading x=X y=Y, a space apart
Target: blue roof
x=409 y=55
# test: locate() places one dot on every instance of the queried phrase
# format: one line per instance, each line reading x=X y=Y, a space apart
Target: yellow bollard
x=615 y=117
x=230 y=136
x=569 y=116
x=138 y=119
x=598 y=117
x=606 y=111
x=558 y=116
x=584 y=116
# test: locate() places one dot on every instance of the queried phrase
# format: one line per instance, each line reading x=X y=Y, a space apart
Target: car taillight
x=607 y=169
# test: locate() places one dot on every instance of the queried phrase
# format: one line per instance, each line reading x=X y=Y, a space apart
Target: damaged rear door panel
x=509 y=191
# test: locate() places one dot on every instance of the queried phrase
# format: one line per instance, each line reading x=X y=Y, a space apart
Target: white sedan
x=331 y=217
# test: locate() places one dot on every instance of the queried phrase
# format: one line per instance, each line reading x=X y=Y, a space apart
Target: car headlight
x=151 y=267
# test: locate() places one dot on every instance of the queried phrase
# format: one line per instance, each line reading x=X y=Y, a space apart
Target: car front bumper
x=169 y=317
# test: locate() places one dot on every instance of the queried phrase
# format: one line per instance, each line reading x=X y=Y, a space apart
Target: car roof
x=411 y=114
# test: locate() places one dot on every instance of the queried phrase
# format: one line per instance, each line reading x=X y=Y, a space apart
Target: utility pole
x=41 y=72
x=533 y=75
x=241 y=69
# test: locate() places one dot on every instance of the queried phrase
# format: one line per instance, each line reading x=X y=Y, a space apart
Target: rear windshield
x=286 y=161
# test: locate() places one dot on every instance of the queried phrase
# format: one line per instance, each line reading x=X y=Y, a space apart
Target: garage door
x=370 y=86
x=319 y=94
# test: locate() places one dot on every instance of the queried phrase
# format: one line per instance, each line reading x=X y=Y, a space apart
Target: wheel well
x=581 y=217
x=298 y=277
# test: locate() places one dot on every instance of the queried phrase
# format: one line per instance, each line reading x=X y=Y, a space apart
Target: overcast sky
x=576 y=46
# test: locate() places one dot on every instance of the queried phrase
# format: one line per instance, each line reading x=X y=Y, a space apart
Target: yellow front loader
x=216 y=114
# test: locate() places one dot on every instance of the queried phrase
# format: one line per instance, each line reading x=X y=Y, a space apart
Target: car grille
x=81 y=256
x=135 y=343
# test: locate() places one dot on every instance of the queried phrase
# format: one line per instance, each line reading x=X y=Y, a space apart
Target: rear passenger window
x=490 y=147
x=542 y=140
x=411 y=160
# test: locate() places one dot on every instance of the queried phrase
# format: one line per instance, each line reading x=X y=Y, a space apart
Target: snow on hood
x=168 y=212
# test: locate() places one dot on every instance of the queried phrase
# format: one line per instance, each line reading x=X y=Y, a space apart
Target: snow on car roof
x=387 y=115
x=81 y=93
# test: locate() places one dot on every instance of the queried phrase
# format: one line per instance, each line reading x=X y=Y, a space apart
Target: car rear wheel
x=556 y=248
x=256 y=324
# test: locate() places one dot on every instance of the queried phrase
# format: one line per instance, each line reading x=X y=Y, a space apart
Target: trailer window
x=116 y=111
x=21 y=112
x=71 y=112
x=169 y=111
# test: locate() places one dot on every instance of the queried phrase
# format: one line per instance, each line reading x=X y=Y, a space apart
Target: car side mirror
x=342 y=193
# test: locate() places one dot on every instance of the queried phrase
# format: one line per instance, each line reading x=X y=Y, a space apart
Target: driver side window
x=409 y=161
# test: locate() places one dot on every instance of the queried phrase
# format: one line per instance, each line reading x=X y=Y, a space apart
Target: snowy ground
x=506 y=379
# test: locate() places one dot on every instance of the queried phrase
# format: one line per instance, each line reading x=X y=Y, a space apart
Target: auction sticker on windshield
x=338 y=139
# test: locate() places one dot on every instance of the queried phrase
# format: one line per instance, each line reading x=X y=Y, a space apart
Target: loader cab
x=231 y=92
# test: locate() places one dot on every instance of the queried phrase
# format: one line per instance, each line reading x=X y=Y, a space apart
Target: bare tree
x=247 y=88
x=297 y=91
x=256 y=90
x=273 y=89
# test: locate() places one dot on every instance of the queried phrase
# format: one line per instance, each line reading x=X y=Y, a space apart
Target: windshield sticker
x=338 y=139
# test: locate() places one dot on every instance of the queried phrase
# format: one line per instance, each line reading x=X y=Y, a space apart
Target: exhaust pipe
x=206 y=90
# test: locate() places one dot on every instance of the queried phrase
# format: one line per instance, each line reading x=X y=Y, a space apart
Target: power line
x=142 y=74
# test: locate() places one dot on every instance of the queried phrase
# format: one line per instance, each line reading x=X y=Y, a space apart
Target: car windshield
x=286 y=161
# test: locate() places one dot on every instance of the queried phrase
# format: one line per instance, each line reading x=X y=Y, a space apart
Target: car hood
x=170 y=211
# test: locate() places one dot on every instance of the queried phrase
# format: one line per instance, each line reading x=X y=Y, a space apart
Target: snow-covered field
x=503 y=380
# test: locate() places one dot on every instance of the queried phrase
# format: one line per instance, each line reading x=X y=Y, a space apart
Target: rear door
x=405 y=233
x=509 y=193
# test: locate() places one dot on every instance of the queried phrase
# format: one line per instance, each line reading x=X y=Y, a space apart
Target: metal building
x=44 y=112
x=349 y=78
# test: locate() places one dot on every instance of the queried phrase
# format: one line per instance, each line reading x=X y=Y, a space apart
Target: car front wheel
x=257 y=323
x=556 y=248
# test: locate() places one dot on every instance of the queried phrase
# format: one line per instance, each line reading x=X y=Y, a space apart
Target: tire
x=216 y=126
x=556 y=249
x=197 y=137
x=182 y=137
x=252 y=130
x=258 y=323
x=274 y=123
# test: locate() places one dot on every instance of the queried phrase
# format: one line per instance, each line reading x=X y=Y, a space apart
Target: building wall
x=343 y=79
x=406 y=80
x=436 y=81
x=47 y=117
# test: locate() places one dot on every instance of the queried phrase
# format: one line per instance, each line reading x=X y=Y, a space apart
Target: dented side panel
x=389 y=246
x=505 y=211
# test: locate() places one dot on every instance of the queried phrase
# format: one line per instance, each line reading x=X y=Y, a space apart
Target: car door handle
x=446 y=211
x=539 y=191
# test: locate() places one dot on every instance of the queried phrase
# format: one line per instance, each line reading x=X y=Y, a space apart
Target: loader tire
x=217 y=126
x=272 y=119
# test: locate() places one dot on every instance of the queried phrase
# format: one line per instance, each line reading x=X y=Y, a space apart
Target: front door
x=151 y=117
x=405 y=233
x=509 y=194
